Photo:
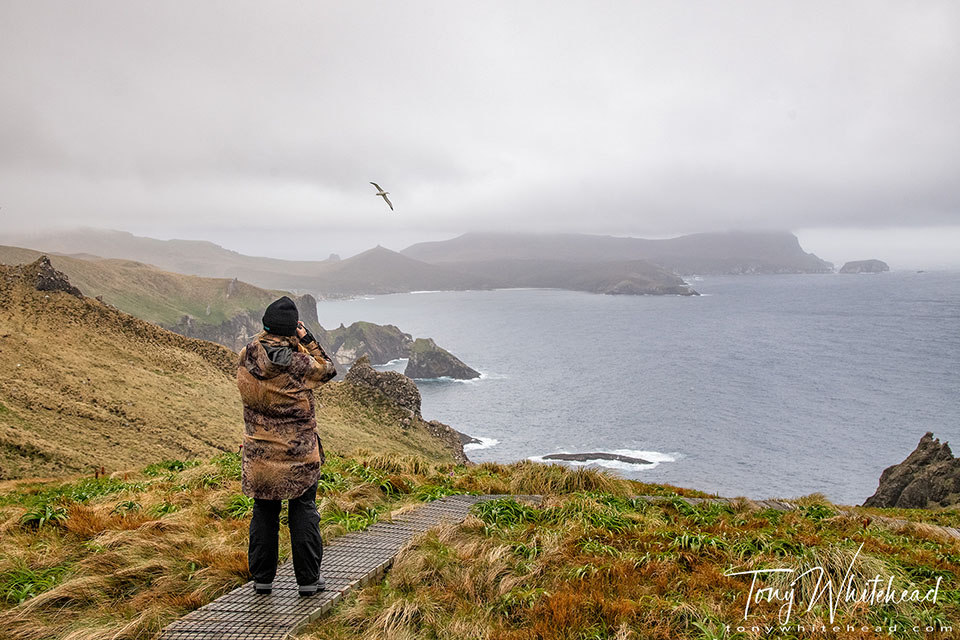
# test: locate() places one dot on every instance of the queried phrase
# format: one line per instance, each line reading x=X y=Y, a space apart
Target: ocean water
x=765 y=386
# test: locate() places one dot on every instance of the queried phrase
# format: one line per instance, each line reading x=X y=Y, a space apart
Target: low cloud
x=631 y=118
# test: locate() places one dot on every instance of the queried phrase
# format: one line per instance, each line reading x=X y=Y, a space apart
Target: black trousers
x=305 y=540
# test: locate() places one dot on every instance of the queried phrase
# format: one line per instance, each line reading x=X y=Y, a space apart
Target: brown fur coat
x=282 y=453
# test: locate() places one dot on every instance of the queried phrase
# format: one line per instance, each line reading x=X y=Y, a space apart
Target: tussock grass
x=594 y=564
x=534 y=478
x=127 y=554
x=133 y=552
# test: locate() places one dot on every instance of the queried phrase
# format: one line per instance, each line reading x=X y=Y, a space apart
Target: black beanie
x=281 y=317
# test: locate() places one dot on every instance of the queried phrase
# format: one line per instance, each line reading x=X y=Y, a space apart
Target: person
x=282 y=452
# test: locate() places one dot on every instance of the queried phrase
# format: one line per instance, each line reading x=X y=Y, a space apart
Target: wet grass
x=121 y=557
x=593 y=564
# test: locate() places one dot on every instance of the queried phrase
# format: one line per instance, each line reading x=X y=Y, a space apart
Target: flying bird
x=383 y=194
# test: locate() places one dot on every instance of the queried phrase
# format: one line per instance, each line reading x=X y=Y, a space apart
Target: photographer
x=282 y=453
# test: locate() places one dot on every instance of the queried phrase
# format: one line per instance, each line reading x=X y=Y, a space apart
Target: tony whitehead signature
x=873 y=591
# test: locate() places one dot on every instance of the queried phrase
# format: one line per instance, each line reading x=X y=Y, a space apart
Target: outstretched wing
x=388 y=202
x=377 y=186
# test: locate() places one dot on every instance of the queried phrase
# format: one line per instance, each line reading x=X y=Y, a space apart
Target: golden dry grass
x=129 y=554
x=77 y=377
x=84 y=386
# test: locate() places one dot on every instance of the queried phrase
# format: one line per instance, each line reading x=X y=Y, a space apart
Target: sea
x=772 y=386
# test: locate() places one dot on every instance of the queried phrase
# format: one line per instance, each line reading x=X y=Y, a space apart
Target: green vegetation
x=92 y=555
x=592 y=564
x=127 y=556
x=21 y=582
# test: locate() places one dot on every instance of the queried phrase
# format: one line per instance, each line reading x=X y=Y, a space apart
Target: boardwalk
x=353 y=561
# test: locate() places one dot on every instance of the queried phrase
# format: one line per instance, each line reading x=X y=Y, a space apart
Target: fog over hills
x=582 y=262
x=734 y=252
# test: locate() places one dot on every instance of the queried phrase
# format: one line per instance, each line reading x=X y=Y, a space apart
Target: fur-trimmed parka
x=282 y=452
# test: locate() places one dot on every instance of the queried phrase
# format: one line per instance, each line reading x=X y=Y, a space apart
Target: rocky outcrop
x=46 y=278
x=929 y=477
x=427 y=360
x=452 y=438
x=865 y=266
x=585 y=457
x=401 y=391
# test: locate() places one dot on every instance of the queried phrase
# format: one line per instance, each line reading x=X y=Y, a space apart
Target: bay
x=765 y=386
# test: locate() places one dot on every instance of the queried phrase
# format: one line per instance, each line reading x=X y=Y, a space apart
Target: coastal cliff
x=380 y=343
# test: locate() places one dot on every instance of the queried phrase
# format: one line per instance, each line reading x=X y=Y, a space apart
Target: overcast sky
x=259 y=124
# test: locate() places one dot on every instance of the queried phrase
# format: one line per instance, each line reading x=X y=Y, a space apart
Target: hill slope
x=153 y=294
x=634 y=277
x=84 y=385
x=191 y=257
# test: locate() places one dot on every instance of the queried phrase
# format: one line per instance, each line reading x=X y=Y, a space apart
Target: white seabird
x=383 y=194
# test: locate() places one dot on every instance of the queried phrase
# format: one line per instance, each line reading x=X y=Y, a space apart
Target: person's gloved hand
x=304 y=334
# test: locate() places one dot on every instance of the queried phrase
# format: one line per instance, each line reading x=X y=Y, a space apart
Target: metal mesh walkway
x=350 y=561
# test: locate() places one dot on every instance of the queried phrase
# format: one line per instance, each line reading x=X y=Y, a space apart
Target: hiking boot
x=310 y=589
x=263 y=588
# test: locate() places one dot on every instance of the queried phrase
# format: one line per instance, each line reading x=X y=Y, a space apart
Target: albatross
x=383 y=194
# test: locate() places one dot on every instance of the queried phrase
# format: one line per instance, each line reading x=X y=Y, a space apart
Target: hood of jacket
x=269 y=355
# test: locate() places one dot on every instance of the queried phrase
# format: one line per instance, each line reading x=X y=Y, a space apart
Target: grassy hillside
x=151 y=293
x=83 y=385
x=122 y=557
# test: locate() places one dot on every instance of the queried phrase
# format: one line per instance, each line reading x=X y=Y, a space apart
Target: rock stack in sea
x=427 y=360
x=865 y=266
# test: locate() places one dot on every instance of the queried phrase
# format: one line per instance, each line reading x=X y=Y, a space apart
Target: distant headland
x=578 y=262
